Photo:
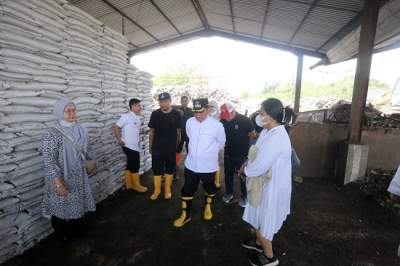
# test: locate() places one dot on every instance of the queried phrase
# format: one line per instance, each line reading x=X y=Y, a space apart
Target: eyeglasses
x=70 y=111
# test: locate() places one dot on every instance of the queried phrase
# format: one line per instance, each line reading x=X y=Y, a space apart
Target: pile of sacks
x=51 y=49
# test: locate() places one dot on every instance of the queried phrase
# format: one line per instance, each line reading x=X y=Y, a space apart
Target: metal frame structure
x=213 y=22
x=291 y=25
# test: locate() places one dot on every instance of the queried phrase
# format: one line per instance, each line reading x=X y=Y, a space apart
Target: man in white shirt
x=129 y=125
x=213 y=111
x=206 y=138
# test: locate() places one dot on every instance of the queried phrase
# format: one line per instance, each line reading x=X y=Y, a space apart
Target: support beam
x=209 y=33
x=299 y=78
x=265 y=43
x=353 y=23
x=131 y=20
x=322 y=5
x=265 y=18
x=312 y=6
x=123 y=25
x=366 y=46
x=232 y=17
x=165 y=16
x=164 y=43
x=134 y=45
x=200 y=13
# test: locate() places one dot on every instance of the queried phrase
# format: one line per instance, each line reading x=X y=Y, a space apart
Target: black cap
x=200 y=104
x=164 y=96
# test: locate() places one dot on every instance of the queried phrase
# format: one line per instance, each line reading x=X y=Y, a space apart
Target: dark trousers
x=65 y=229
x=61 y=227
x=163 y=161
x=132 y=160
x=231 y=166
x=192 y=180
x=184 y=141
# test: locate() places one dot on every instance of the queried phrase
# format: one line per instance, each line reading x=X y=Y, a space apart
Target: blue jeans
x=295 y=160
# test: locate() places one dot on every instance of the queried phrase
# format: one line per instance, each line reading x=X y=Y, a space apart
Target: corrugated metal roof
x=308 y=26
x=95 y=8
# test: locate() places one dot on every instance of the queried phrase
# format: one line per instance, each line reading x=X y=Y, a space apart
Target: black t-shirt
x=186 y=114
x=237 y=136
x=165 y=126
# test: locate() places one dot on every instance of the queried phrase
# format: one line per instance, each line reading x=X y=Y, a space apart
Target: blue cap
x=164 y=96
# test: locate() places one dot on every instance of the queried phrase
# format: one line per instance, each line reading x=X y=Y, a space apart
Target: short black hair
x=184 y=97
x=132 y=102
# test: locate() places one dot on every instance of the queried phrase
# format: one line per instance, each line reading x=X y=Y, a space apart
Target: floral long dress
x=79 y=199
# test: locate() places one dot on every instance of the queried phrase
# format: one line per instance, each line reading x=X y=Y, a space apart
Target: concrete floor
x=329 y=225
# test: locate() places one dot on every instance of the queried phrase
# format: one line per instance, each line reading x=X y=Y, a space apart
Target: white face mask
x=66 y=123
x=260 y=121
x=214 y=114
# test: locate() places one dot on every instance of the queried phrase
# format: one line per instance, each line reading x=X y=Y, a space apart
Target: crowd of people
x=256 y=150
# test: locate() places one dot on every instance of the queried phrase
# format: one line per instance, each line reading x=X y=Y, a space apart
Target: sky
x=238 y=66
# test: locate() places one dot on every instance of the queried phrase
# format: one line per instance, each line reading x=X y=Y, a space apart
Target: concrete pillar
x=365 y=51
x=299 y=77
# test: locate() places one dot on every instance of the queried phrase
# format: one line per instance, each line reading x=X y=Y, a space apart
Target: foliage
x=341 y=89
x=181 y=75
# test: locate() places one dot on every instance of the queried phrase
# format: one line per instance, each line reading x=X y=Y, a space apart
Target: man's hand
x=120 y=142
x=241 y=170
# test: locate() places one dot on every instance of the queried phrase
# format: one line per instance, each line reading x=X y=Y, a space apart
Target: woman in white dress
x=268 y=178
x=394 y=190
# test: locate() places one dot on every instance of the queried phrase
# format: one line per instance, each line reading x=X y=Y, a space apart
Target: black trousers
x=192 y=180
x=163 y=161
x=184 y=141
x=65 y=229
x=231 y=166
x=132 y=160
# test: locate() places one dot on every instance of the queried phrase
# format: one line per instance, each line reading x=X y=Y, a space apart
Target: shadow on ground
x=329 y=225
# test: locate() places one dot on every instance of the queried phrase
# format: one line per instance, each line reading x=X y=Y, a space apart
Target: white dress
x=394 y=187
x=274 y=152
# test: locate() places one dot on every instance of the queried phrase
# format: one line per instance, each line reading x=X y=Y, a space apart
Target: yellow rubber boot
x=167 y=188
x=217 y=179
x=208 y=215
x=128 y=181
x=135 y=179
x=157 y=187
x=186 y=212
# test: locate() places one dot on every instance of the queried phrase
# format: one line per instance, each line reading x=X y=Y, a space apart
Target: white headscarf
x=77 y=132
x=214 y=114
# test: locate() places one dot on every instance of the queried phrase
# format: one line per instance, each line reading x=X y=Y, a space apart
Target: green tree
x=341 y=89
x=181 y=75
x=270 y=86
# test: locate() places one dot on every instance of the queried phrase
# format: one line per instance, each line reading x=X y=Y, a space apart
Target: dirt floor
x=329 y=225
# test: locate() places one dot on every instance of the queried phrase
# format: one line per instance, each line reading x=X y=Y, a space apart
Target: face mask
x=66 y=123
x=260 y=121
x=214 y=114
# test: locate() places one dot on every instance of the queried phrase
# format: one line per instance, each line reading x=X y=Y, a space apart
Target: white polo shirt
x=130 y=127
x=206 y=139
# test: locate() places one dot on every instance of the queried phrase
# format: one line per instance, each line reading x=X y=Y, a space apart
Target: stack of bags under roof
x=51 y=49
